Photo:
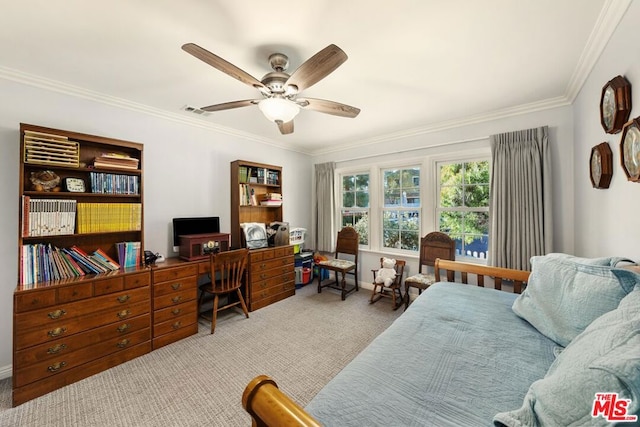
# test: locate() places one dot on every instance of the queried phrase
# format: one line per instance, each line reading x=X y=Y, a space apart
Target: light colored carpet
x=301 y=342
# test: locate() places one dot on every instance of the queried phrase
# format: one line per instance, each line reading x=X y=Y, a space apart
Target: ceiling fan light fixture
x=278 y=109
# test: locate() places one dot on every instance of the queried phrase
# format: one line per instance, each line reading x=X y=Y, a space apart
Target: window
x=401 y=208
x=354 y=211
x=463 y=205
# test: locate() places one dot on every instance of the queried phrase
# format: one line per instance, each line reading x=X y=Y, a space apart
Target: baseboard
x=6 y=371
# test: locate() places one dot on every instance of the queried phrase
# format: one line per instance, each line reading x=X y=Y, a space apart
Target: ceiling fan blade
x=285 y=128
x=230 y=105
x=328 y=107
x=317 y=67
x=226 y=67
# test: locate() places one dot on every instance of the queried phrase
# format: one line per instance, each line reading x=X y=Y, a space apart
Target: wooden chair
x=394 y=291
x=227 y=274
x=432 y=246
x=346 y=247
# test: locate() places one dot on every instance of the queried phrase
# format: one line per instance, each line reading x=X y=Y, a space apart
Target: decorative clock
x=601 y=165
x=615 y=104
x=630 y=150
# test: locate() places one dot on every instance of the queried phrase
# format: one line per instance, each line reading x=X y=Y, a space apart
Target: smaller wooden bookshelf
x=256 y=196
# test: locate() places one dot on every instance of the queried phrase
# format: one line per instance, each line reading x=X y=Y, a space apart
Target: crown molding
x=610 y=16
x=78 y=92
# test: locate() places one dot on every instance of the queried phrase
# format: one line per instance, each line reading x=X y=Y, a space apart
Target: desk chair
x=227 y=274
x=346 y=247
x=393 y=291
x=432 y=246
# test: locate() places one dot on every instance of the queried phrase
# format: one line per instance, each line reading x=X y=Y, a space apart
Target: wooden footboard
x=269 y=407
x=518 y=277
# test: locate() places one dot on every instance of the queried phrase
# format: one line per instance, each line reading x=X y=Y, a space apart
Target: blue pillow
x=564 y=296
x=605 y=358
x=604 y=261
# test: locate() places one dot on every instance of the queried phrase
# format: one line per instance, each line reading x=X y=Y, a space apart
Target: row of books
x=109 y=217
x=109 y=183
x=44 y=262
x=129 y=254
x=252 y=175
x=247 y=196
x=48 y=217
x=115 y=161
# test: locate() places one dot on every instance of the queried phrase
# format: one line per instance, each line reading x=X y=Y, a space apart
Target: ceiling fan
x=279 y=90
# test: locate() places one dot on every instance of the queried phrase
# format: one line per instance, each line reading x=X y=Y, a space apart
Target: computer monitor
x=194 y=225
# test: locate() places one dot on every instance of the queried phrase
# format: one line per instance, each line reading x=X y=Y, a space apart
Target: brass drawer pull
x=176 y=325
x=56 y=366
x=56 y=332
x=176 y=311
x=124 y=298
x=123 y=314
x=263 y=266
x=264 y=276
x=176 y=286
x=123 y=327
x=176 y=299
x=263 y=285
x=56 y=348
x=123 y=343
x=56 y=314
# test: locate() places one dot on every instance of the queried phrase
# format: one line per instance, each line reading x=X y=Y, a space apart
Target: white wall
x=186 y=173
x=606 y=221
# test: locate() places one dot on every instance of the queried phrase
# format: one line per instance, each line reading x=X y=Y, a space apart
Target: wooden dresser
x=174 y=302
x=66 y=332
x=271 y=276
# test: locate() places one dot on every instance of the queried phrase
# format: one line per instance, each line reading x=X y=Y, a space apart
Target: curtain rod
x=442 y=144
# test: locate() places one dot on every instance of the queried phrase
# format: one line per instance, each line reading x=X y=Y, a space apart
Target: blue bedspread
x=456 y=357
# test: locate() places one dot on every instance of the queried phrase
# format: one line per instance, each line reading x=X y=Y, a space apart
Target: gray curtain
x=325 y=204
x=520 y=198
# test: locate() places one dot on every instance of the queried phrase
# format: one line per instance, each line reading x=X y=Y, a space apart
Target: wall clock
x=615 y=104
x=630 y=150
x=601 y=165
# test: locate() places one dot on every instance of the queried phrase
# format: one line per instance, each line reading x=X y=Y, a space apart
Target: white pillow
x=564 y=296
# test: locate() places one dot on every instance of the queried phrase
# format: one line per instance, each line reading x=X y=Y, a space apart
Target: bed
x=470 y=355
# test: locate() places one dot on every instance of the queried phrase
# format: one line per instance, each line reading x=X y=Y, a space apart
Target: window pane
x=450 y=197
x=362 y=199
x=390 y=220
x=359 y=221
x=362 y=182
x=348 y=183
x=451 y=174
x=451 y=222
x=392 y=198
x=409 y=240
x=476 y=223
x=476 y=196
x=347 y=200
x=476 y=172
x=411 y=197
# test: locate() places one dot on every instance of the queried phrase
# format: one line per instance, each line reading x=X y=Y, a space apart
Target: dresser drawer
x=257 y=295
x=73 y=359
x=173 y=312
x=34 y=299
x=255 y=305
x=75 y=292
x=279 y=280
x=132 y=281
x=274 y=272
x=50 y=316
x=108 y=286
x=173 y=286
x=174 y=324
x=67 y=327
x=174 y=273
x=260 y=255
x=175 y=298
x=68 y=344
x=273 y=263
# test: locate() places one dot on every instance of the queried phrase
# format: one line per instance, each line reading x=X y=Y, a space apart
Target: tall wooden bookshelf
x=112 y=196
x=257 y=179
x=66 y=329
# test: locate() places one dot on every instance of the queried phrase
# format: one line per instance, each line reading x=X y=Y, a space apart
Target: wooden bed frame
x=270 y=407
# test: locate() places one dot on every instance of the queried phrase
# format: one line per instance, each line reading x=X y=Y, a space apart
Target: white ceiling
x=414 y=66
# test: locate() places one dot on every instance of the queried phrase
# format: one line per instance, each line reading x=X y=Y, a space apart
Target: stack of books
x=116 y=161
x=271 y=199
x=45 y=262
